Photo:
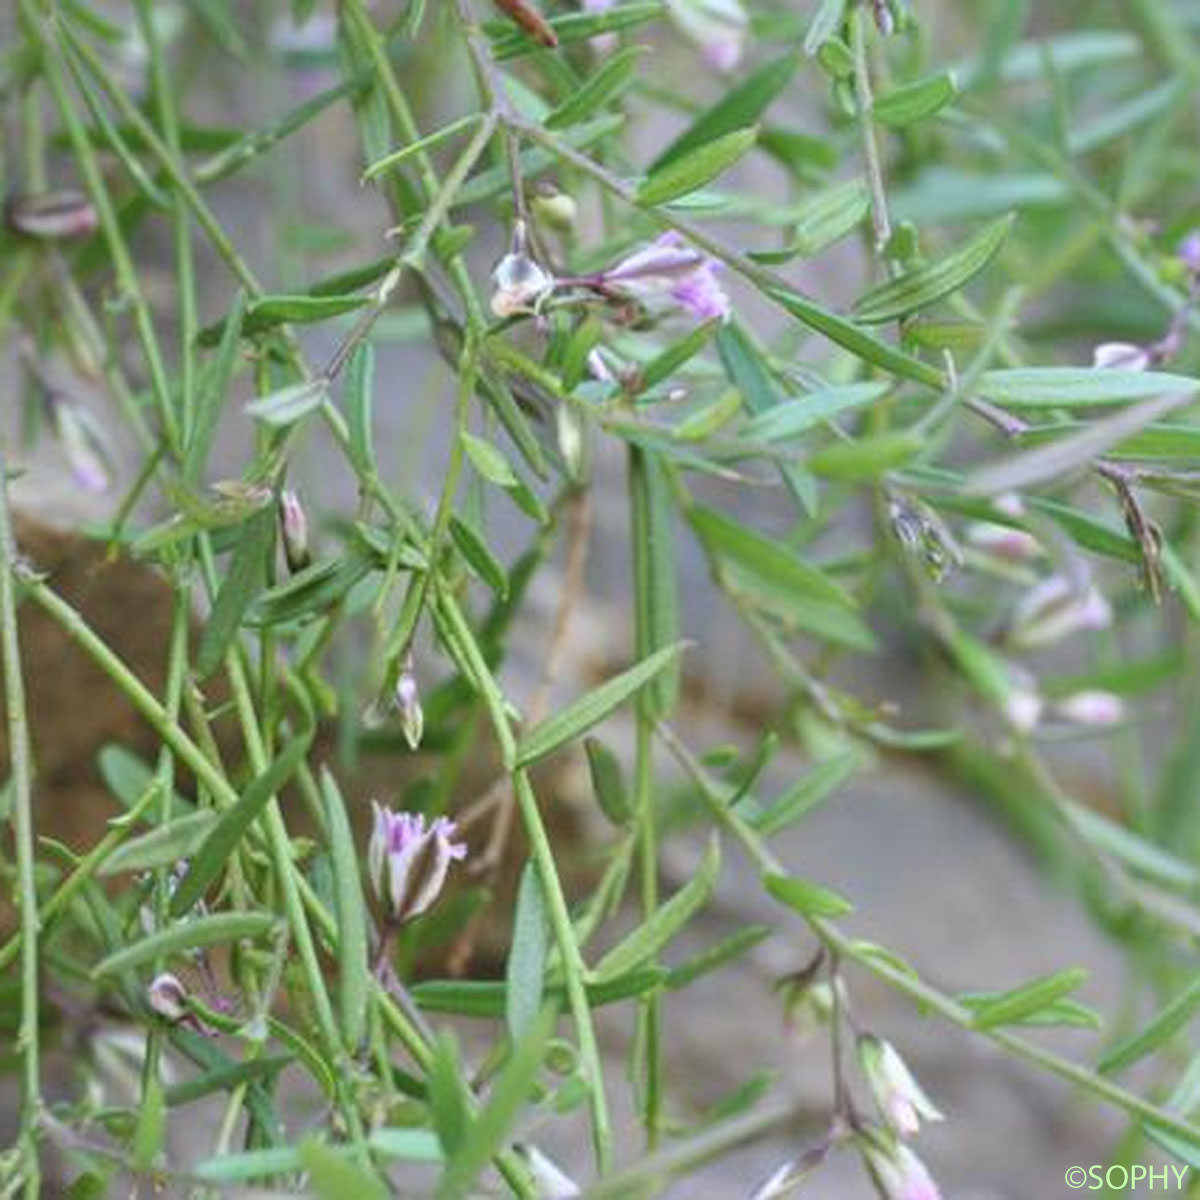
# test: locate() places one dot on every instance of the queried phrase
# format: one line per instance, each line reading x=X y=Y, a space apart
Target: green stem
x=22 y=826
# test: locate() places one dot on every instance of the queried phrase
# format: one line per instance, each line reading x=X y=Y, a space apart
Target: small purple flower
x=900 y=1098
x=409 y=860
x=671 y=271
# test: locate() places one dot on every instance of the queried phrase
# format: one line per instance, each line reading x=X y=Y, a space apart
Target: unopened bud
x=168 y=997
x=1120 y=356
x=1056 y=608
x=1097 y=709
x=1004 y=541
x=82 y=446
x=925 y=535
x=554 y=208
x=898 y=1173
x=51 y=216
x=408 y=702
x=901 y=1100
x=293 y=529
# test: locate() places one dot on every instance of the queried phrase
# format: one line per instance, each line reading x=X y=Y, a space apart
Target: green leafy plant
x=922 y=277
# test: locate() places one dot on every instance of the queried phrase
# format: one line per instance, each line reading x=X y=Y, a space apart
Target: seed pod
x=51 y=216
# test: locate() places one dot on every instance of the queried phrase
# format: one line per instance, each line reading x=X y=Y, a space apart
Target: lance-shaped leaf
x=665 y=922
x=919 y=288
x=218 y=929
x=1067 y=387
x=1177 y=1013
x=1021 y=1003
x=591 y=709
x=1061 y=458
x=215 y=852
x=288 y=405
x=914 y=102
x=525 y=975
x=695 y=169
x=600 y=88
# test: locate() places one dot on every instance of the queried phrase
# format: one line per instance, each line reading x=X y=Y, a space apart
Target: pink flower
x=1004 y=541
x=899 y=1096
x=670 y=270
x=408 y=860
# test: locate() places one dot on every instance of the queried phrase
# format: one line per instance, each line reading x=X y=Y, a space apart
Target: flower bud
x=408 y=860
x=554 y=208
x=1120 y=356
x=1004 y=541
x=168 y=997
x=1054 y=609
x=551 y=1181
x=51 y=216
x=1095 y=709
x=408 y=702
x=897 y=1093
x=83 y=447
x=897 y=1171
x=293 y=529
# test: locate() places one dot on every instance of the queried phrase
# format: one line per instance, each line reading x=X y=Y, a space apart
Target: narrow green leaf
x=765 y=557
x=694 y=169
x=218 y=929
x=1066 y=387
x=244 y=580
x=1174 y=1016
x=525 y=976
x=360 y=389
x=489 y=462
x=867 y=458
x=656 y=599
x=510 y=1093
x=599 y=89
x=162 y=846
x=808 y=899
x=1020 y=1003
x=488 y=998
x=749 y=374
x=860 y=343
x=665 y=922
x=213 y=394
x=607 y=782
x=478 y=555
x=738 y=108
x=664 y=365
x=591 y=709
x=797 y=417
x=350 y=910
x=919 y=288
x=214 y=854
x=333 y=1176
x=913 y=102
x=714 y=957
x=811 y=789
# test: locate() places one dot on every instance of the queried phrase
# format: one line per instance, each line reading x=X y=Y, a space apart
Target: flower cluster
x=408 y=860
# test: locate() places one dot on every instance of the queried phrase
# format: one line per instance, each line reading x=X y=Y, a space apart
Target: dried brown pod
x=530 y=20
